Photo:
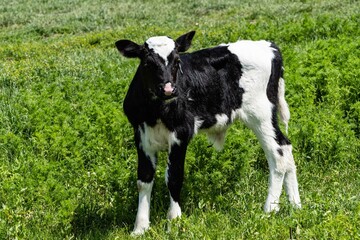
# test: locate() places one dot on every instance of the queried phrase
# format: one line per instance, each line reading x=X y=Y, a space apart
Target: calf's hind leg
x=278 y=153
x=291 y=183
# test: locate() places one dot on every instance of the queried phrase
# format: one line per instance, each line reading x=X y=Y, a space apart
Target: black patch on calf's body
x=272 y=92
x=276 y=72
x=214 y=85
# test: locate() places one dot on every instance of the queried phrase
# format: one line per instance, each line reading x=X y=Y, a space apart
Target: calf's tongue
x=168 y=89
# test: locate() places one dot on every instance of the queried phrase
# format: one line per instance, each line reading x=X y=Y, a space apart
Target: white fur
x=174 y=210
x=197 y=124
x=142 y=222
x=157 y=138
x=161 y=45
x=235 y=114
x=291 y=183
x=221 y=120
x=255 y=58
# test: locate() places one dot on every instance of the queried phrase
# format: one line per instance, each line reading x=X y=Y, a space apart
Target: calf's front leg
x=146 y=172
x=175 y=176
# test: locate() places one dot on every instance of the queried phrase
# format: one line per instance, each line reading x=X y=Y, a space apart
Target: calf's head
x=160 y=63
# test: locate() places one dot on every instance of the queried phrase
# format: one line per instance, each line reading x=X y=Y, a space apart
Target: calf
x=174 y=96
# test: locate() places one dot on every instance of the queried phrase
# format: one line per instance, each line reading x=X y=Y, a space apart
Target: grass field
x=67 y=160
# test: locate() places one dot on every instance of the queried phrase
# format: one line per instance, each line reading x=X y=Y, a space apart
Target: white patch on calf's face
x=162 y=45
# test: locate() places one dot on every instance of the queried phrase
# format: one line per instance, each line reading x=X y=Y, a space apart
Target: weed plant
x=67 y=159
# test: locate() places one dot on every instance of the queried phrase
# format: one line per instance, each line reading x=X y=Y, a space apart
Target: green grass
x=67 y=160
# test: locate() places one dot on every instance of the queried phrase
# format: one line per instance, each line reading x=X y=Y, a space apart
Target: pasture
x=67 y=155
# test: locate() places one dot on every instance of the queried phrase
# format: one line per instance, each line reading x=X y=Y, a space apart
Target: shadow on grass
x=101 y=210
x=95 y=217
x=93 y=221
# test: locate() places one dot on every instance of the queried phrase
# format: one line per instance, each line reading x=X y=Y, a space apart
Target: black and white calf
x=174 y=96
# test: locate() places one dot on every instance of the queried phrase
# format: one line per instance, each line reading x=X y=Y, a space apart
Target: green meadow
x=67 y=156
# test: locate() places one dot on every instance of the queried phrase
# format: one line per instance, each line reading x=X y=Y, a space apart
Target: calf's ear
x=184 y=41
x=128 y=48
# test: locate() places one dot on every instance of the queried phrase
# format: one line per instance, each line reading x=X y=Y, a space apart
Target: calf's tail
x=283 y=107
